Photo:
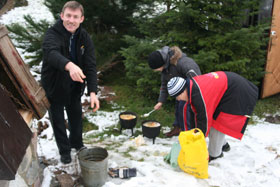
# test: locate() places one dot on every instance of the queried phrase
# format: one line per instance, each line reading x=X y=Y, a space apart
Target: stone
x=65 y=180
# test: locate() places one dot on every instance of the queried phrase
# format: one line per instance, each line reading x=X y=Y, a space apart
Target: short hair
x=73 y=5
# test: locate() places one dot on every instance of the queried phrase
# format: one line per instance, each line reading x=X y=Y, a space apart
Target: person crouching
x=220 y=104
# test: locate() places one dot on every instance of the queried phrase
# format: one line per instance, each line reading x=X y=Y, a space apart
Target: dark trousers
x=179 y=114
x=74 y=113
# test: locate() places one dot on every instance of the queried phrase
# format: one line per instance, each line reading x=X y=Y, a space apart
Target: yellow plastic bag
x=193 y=157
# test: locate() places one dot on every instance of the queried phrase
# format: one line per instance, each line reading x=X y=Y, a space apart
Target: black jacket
x=55 y=79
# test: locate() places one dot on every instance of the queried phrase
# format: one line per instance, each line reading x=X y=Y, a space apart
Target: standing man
x=68 y=63
x=171 y=62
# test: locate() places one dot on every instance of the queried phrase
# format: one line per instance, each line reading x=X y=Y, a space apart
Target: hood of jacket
x=59 y=27
x=166 y=54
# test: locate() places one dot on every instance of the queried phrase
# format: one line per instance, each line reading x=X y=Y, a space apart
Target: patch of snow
x=254 y=161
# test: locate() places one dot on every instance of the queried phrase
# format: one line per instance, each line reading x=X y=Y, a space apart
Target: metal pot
x=151 y=131
x=128 y=123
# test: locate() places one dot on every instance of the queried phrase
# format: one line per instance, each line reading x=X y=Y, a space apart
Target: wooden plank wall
x=19 y=73
x=271 y=82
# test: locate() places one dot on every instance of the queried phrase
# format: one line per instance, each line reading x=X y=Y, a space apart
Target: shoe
x=174 y=132
x=226 y=147
x=213 y=158
x=66 y=159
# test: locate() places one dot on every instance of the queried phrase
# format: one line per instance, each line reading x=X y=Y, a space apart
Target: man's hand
x=158 y=106
x=94 y=102
x=75 y=72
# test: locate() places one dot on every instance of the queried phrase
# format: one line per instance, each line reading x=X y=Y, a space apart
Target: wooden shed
x=15 y=136
x=271 y=81
x=21 y=97
x=16 y=77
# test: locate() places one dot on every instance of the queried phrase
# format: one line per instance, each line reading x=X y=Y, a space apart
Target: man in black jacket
x=68 y=62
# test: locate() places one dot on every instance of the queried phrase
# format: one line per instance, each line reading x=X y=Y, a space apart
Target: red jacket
x=221 y=100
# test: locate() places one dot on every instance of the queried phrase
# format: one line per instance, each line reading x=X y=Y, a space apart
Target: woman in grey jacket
x=171 y=62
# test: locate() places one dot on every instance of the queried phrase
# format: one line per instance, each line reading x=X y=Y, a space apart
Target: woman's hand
x=158 y=106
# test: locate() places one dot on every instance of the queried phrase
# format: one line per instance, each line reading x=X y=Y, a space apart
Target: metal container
x=94 y=164
x=128 y=123
x=151 y=132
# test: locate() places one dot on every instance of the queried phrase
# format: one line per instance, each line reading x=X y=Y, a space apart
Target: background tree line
x=217 y=34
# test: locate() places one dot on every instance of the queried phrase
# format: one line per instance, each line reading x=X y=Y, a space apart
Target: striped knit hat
x=176 y=86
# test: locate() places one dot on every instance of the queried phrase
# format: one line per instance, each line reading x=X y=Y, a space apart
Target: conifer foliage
x=217 y=34
x=29 y=38
x=212 y=32
x=107 y=21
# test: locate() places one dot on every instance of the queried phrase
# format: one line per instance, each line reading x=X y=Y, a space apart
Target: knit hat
x=176 y=86
x=155 y=60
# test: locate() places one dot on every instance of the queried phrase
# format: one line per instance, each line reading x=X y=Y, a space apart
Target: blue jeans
x=179 y=114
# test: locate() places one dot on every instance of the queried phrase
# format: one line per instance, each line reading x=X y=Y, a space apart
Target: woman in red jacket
x=220 y=103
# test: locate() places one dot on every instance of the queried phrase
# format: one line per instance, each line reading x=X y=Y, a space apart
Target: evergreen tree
x=29 y=38
x=212 y=32
x=138 y=73
x=107 y=21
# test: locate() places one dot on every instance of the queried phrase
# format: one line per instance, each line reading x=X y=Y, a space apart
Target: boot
x=174 y=132
x=226 y=147
x=213 y=158
x=66 y=158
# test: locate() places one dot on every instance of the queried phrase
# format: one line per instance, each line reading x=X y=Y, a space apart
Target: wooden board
x=9 y=4
x=27 y=116
x=271 y=82
x=15 y=136
x=33 y=95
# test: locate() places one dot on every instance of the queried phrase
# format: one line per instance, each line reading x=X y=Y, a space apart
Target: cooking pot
x=128 y=120
x=151 y=129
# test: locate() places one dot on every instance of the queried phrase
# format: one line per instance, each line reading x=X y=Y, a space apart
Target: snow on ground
x=35 y=9
x=252 y=162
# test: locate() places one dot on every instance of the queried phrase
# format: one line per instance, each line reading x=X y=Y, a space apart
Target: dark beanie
x=155 y=60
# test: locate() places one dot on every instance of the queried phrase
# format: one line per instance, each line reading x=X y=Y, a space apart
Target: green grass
x=113 y=146
x=127 y=97
x=140 y=105
x=131 y=101
x=128 y=151
x=270 y=105
x=110 y=131
x=106 y=106
x=87 y=126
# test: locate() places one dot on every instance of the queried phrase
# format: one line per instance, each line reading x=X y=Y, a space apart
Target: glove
x=122 y=173
x=172 y=157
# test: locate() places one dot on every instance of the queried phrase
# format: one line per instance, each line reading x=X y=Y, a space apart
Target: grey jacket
x=186 y=67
